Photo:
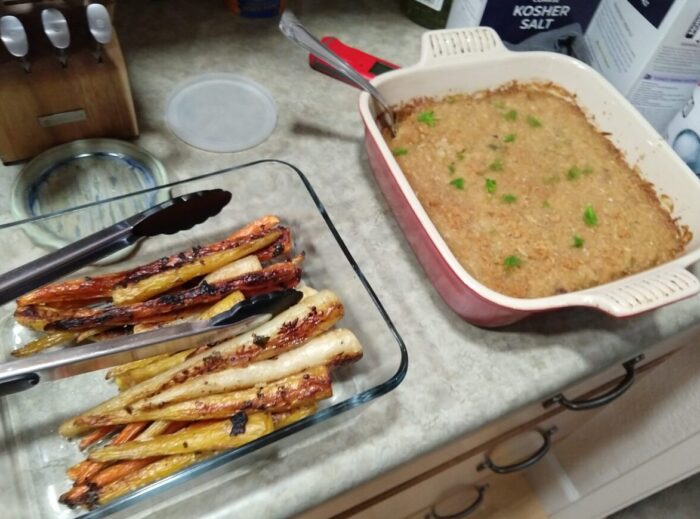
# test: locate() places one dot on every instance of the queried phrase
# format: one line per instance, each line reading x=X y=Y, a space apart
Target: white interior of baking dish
x=469 y=60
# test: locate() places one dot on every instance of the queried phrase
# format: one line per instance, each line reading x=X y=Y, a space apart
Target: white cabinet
x=449 y=477
x=648 y=440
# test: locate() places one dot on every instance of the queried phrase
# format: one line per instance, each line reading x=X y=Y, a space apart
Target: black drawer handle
x=600 y=401
x=462 y=513
x=529 y=462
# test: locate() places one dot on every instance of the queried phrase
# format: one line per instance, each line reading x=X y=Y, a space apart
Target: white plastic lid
x=221 y=112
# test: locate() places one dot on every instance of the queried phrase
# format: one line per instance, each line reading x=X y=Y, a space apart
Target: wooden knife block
x=53 y=104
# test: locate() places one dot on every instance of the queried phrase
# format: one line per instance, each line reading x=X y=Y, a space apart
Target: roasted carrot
x=97 y=474
x=218 y=435
x=129 y=432
x=136 y=375
x=138 y=287
x=139 y=373
x=282 y=246
x=123 y=368
x=82 y=471
x=117 y=471
x=95 y=436
x=44 y=342
x=294 y=391
x=255 y=227
x=279 y=275
x=281 y=420
x=137 y=479
x=86 y=290
x=309 y=318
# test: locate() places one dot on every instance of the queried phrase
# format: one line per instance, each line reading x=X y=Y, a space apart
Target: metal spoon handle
x=292 y=28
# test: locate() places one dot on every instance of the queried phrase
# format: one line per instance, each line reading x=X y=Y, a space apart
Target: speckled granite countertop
x=460 y=376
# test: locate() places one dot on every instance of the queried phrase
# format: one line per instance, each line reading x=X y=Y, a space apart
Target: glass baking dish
x=33 y=457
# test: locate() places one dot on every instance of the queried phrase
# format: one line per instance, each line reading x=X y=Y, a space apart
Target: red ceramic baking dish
x=470 y=60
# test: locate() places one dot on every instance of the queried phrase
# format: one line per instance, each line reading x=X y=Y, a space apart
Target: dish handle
x=459 y=44
x=643 y=292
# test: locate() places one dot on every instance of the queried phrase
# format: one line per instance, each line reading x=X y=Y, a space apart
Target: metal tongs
x=293 y=29
x=177 y=214
x=174 y=215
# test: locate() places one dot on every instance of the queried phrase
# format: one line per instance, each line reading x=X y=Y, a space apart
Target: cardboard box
x=650 y=51
x=525 y=24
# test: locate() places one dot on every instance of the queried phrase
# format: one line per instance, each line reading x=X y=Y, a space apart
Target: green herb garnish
x=512 y=262
x=546 y=205
x=533 y=121
x=427 y=118
x=496 y=165
x=460 y=154
x=499 y=104
x=490 y=185
x=510 y=115
x=451 y=168
x=573 y=173
x=457 y=182
x=399 y=151
x=509 y=199
x=509 y=138
x=578 y=241
x=589 y=216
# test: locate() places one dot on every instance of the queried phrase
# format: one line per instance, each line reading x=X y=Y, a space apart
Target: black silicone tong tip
x=272 y=303
x=182 y=212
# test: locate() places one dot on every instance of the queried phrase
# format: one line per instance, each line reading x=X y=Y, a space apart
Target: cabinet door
x=463 y=490
x=630 y=449
x=543 y=415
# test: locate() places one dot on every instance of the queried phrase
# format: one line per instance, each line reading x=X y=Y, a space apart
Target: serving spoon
x=293 y=29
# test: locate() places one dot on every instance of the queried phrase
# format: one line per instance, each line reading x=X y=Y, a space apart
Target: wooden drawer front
x=505 y=497
x=414 y=496
x=517 y=447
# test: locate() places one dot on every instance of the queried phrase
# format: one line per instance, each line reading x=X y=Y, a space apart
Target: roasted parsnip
x=305 y=320
x=143 y=372
x=289 y=393
x=234 y=269
x=334 y=348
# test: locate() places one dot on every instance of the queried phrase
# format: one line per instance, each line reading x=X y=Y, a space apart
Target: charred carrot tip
x=129 y=432
x=96 y=436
